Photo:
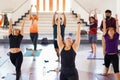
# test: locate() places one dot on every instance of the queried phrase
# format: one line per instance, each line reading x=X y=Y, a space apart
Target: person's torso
x=55 y=31
x=112 y=44
x=34 y=28
x=15 y=41
x=68 y=58
x=93 y=28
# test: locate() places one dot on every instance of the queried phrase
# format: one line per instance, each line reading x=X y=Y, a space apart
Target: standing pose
x=1 y=20
x=110 y=22
x=93 y=32
x=16 y=56
x=68 y=51
x=34 y=29
x=111 y=36
x=6 y=22
x=62 y=25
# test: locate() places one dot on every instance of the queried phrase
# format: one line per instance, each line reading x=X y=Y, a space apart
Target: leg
x=35 y=41
x=56 y=49
x=62 y=77
x=74 y=77
x=115 y=63
x=18 y=65
x=94 y=49
x=107 y=61
x=12 y=59
x=90 y=41
x=94 y=41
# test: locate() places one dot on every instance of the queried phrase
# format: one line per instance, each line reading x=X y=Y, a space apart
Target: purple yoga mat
x=98 y=57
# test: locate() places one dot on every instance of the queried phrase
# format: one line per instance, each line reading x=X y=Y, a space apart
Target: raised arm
x=90 y=14
x=59 y=37
x=77 y=40
x=22 y=28
x=95 y=14
x=30 y=12
x=2 y=17
x=117 y=24
x=104 y=25
x=10 y=28
x=53 y=21
x=64 y=19
x=36 y=10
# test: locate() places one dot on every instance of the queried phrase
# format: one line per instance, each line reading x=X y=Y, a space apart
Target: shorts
x=92 y=38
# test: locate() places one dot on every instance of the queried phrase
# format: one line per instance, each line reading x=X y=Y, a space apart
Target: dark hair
x=92 y=18
x=108 y=11
x=111 y=27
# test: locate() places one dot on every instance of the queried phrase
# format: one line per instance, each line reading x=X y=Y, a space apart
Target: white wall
x=23 y=9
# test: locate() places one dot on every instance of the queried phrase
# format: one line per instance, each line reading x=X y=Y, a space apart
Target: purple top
x=111 y=44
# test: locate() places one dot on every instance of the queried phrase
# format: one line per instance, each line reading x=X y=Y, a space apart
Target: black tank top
x=15 y=41
x=68 y=58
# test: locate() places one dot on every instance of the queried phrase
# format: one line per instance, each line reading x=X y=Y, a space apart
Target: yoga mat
x=29 y=53
x=3 y=60
x=108 y=77
x=98 y=56
x=10 y=76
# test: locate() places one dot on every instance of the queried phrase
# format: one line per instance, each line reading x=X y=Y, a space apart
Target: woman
x=34 y=29
x=111 y=37
x=93 y=32
x=16 y=57
x=62 y=25
x=1 y=20
x=68 y=50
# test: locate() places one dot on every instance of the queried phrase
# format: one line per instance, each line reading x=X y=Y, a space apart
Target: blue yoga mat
x=98 y=57
x=10 y=76
x=3 y=60
x=29 y=53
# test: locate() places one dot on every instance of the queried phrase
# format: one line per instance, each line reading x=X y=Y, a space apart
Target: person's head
x=34 y=16
x=92 y=19
x=108 y=13
x=111 y=31
x=68 y=41
x=60 y=20
x=16 y=32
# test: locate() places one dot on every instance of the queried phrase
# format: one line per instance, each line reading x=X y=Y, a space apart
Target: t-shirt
x=111 y=44
x=55 y=31
x=15 y=41
x=93 y=27
x=109 y=23
x=34 y=25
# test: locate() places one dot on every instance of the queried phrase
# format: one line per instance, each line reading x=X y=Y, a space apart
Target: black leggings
x=69 y=74
x=114 y=59
x=34 y=38
x=17 y=59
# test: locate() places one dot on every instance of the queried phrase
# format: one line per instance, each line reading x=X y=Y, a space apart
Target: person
x=62 y=25
x=110 y=21
x=6 y=22
x=34 y=29
x=1 y=21
x=111 y=36
x=16 y=56
x=68 y=50
x=93 y=31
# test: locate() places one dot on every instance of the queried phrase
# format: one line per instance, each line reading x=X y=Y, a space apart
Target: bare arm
x=77 y=40
x=90 y=14
x=59 y=37
x=10 y=28
x=36 y=10
x=53 y=21
x=22 y=28
x=117 y=24
x=95 y=15
x=30 y=13
x=104 y=25
x=64 y=19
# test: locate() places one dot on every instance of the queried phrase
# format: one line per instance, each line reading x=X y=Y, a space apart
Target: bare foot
x=33 y=53
x=104 y=74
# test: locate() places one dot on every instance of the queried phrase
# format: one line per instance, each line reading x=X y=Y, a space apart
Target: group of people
x=65 y=47
x=4 y=20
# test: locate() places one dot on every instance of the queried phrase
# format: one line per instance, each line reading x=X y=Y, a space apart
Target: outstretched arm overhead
x=104 y=25
x=22 y=28
x=117 y=24
x=77 y=40
x=59 y=37
x=53 y=21
x=30 y=12
x=64 y=19
x=95 y=14
x=36 y=11
x=10 y=28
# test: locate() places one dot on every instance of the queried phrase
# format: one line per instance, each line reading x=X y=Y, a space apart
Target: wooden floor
x=42 y=70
